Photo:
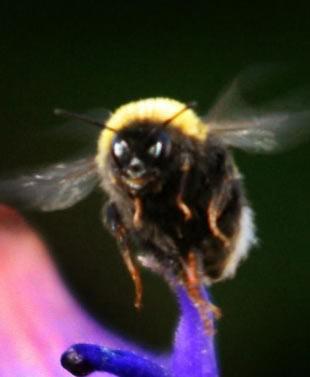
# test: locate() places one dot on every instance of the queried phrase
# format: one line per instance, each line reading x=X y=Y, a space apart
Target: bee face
x=139 y=154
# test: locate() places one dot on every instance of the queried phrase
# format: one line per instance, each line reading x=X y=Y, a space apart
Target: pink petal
x=38 y=317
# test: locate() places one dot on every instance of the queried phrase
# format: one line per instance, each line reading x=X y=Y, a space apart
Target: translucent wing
x=243 y=122
x=56 y=187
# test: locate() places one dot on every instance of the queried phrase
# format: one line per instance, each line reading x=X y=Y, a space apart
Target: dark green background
x=86 y=55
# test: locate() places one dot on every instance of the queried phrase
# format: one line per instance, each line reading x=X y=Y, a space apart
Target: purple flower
x=39 y=320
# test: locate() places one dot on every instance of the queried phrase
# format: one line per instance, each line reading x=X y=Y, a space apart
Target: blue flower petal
x=194 y=353
x=83 y=359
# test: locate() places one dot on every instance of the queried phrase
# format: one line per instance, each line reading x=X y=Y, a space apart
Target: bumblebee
x=176 y=200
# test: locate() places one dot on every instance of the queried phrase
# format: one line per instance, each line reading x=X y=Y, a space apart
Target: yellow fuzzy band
x=151 y=110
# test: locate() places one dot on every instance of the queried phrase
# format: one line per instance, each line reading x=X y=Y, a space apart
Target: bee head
x=136 y=141
x=139 y=154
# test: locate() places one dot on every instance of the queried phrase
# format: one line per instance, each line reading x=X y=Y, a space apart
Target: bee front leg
x=118 y=229
x=138 y=211
x=185 y=169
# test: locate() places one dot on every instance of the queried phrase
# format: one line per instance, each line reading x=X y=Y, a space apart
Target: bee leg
x=193 y=281
x=138 y=208
x=185 y=169
x=135 y=275
x=114 y=222
x=213 y=213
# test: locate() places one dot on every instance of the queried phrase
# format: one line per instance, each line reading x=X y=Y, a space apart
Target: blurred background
x=86 y=55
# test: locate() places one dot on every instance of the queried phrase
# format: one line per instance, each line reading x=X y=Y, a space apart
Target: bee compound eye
x=155 y=149
x=120 y=149
x=161 y=146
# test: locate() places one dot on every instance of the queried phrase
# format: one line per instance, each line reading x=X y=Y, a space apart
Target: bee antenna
x=81 y=117
x=189 y=105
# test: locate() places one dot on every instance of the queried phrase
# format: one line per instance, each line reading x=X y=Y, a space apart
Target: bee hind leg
x=115 y=224
x=193 y=281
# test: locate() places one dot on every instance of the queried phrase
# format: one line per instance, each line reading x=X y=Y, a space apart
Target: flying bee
x=176 y=200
